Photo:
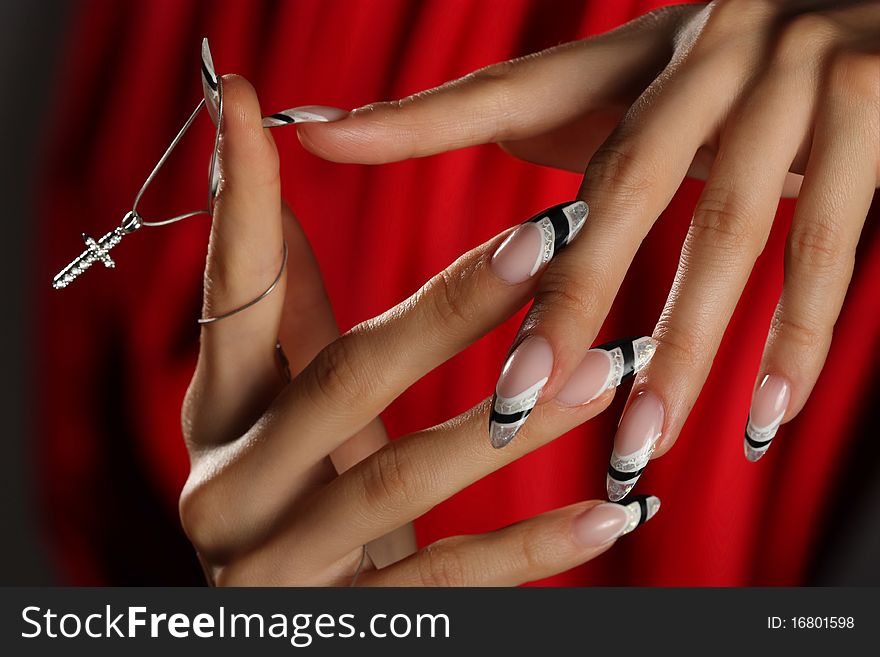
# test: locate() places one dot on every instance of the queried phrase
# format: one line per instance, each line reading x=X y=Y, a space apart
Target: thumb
x=237 y=372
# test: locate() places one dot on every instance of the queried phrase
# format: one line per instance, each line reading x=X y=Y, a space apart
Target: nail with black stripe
x=531 y=246
x=558 y=226
x=637 y=436
x=210 y=84
x=304 y=114
x=769 y=405
x=606 y=522
x=524 y=375
x=604 y=367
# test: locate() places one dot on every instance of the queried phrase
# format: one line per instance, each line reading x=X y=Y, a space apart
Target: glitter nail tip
x=639 y=510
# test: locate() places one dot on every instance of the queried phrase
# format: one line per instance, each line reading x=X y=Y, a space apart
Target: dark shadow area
x=30 y=33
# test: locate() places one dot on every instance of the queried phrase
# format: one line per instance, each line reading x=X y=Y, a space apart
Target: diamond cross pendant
x=97 y=251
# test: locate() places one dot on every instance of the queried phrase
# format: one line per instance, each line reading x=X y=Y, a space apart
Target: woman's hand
x=761 y=98
x=290 y=479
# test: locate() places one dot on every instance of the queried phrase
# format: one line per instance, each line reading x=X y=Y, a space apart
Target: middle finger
x=628 y=183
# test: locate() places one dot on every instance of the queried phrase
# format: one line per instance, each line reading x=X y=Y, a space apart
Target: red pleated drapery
x=117 y=349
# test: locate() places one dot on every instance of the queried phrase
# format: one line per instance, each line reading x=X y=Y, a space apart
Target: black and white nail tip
x=623 y=473
x=559 y=225
x=627 y=358
x=509 y=414
x=304 y=114
x=624 y=470
x=757 y=439
x=639 y=510
x=210 y=84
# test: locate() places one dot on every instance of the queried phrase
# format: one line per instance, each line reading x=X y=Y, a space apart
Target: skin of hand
x=762 y=99
x=289 y=479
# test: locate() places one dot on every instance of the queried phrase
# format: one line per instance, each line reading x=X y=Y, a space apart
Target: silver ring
x=360 y=568
x=266 y=293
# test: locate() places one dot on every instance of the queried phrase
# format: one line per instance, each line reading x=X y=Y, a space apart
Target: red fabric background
x=117 y=350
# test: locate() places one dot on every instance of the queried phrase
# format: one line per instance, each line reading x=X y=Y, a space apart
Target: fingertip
x=378 y=133
x=313 y=138
x=248 y=147
x=348 y=141
x=241 y=106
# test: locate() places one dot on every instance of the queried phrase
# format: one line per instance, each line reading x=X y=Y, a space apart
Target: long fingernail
x=524 y=375
x=637 y=435
x=605 y=522
x=768 y=408
x=537 y=240
x=604 y=367
x=209 y=82
x=304 y=114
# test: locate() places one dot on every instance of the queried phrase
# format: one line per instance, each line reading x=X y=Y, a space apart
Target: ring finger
x=730 y=226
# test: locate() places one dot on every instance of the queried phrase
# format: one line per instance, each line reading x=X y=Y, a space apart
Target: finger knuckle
x=805 y=335
x=683 y=347
x=500 y=72
x=496 y=85
x=805 y=37
x=337 y=372
x=722 y=223
x=619 y=167
x=442 y=565
x=388 y=480
x=817 y=246
x=531 y=550
x=450 y=299
x=561 y=295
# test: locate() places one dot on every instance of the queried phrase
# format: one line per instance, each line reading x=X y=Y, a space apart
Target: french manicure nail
x=210 y=84
x=520 y=256
x=605 y=522
x=768 y=408
x=304 y=114
x=604 y=367
x=637 y=435
x=524 y=375
x=534 y=243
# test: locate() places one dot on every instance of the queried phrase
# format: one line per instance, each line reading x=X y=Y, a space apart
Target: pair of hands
x=760 y=98
x=290 y=479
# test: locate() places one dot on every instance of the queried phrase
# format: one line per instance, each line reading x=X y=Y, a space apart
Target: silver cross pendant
x=97 y=251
